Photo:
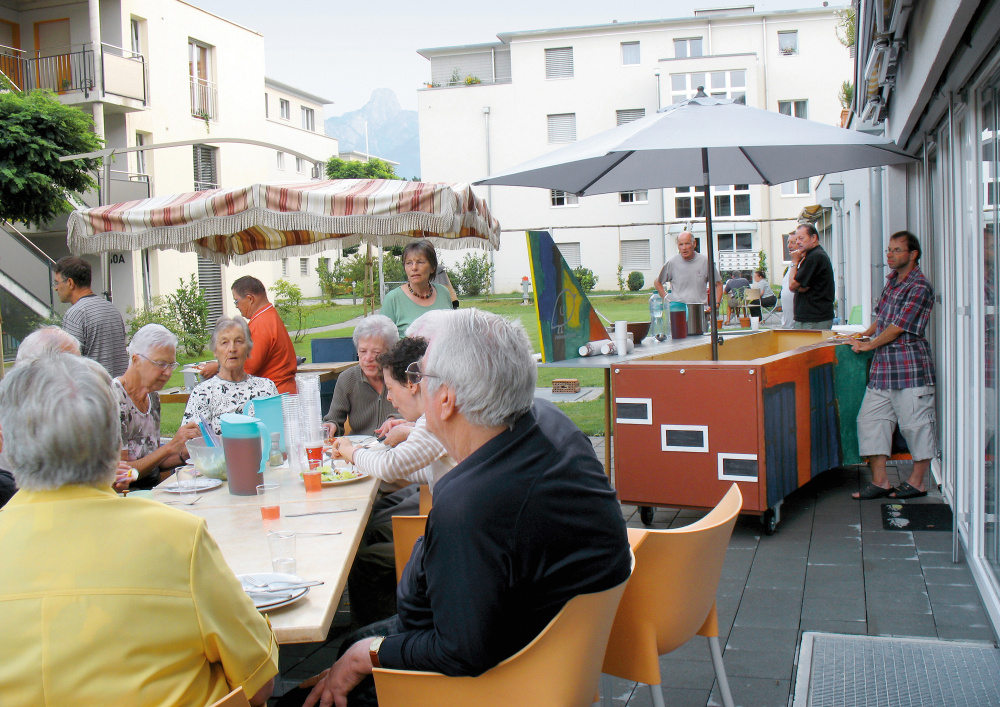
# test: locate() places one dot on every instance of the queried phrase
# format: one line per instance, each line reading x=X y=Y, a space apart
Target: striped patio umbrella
x=272 y=221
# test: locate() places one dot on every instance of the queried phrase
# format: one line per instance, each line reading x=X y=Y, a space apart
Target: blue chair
x=339 y=348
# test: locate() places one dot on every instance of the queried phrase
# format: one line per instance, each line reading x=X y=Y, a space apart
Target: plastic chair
x=334 y=349
x=426 y=500
x=671 y=597
x=236 y=698
x=753 y=298
x=857 y=311
x=559 y=668
x=405 y=531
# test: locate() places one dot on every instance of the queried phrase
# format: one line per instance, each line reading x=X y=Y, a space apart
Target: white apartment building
x=150 y=72
x=491 y=106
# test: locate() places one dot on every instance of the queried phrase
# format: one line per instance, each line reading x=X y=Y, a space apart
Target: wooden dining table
x=236 y=525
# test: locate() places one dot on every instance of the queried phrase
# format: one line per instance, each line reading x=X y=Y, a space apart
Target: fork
x=287 y=585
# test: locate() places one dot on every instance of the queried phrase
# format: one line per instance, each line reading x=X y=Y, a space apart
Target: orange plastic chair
x=561 y=667
x=671 y=597
x=236 y=698
x=405 y=531
x=426 y=500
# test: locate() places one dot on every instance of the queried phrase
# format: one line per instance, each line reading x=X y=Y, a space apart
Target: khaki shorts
x=911 y=408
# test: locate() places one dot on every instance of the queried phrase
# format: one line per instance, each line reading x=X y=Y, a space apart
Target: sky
x=343 y=51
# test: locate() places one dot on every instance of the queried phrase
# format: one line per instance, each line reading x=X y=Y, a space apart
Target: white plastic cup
x=754 y=323
x=187 y=490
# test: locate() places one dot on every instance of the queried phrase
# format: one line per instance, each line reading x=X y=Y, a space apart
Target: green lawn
x=588 y=416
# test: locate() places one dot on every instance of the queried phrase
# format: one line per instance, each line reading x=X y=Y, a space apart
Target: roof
x=288 y=88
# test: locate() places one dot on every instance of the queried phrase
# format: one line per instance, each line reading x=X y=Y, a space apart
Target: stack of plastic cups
x=310 y=412
x=294 y=444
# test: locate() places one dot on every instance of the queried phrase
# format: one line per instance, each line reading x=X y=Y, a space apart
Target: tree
x=35 y=131
x=288 y=301
x=374 y=168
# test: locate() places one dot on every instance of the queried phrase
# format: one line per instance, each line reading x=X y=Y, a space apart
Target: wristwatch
x=373 y=651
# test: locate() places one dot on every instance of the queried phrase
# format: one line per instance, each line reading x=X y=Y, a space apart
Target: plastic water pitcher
x=678 y=320
x=269 y=411
x=248 y=445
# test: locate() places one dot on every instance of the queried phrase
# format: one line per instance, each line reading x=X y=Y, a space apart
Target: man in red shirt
x=273 y=355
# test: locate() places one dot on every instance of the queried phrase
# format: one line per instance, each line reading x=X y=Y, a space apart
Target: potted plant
x=742 y=310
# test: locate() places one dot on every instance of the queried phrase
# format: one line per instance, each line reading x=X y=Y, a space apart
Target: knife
x=318 y=513
x=284 y=588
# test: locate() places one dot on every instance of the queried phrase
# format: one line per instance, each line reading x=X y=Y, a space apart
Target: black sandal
x=906 y=490
x=870 y=491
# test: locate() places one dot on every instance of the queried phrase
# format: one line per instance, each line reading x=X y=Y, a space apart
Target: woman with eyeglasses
x=152 y=360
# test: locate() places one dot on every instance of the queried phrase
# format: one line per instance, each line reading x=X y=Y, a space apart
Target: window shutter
x=634 y=255
x=570 y=253
x=205 y=168
x=559 y=63
x=629 y=114
x=210 y=283
x=562 y=127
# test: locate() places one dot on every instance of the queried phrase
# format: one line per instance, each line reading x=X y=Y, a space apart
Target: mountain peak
x=392 y=132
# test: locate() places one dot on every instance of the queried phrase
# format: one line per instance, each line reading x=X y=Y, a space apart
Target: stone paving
x=829 y=567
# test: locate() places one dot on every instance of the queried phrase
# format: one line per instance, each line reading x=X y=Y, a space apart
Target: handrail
x=25 y=241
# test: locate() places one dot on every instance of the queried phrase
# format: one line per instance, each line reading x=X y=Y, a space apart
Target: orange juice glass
x=313 y=480
x=270 y=503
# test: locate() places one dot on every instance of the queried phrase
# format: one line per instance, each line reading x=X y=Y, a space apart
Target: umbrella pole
x=712 y=303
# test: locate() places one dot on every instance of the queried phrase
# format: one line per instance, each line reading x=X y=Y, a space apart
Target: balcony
x=204 y=99
x=70 y=72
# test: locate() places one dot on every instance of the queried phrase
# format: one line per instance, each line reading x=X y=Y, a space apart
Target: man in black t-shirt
x=811 y=279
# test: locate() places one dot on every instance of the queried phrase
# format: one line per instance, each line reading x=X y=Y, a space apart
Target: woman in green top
x=419 y=293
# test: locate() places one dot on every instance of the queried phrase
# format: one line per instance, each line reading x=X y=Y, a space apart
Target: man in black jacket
x=526 y=520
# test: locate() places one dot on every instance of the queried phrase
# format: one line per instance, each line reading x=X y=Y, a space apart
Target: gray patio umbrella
x=702 y=141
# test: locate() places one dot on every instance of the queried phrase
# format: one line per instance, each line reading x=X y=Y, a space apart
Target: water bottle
x=656 y=328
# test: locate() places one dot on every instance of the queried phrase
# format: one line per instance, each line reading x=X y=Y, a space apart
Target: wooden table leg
x=607 y=422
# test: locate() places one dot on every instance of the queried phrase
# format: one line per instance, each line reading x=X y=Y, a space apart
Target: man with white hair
x=526 y=520
x=92 y=612
x=45 y=341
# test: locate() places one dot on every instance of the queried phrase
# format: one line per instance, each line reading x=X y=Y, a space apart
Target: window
x=323 y=264
x=562 y=127
x=735 y=241
x=308 y=119
x=798 y=187
x=732 y=200
x=630 y=53
x=134 y=36
x=303 y=266
x=796 y=108
x=561 y=198
x=634 y=255
x=788 y=43
x=688 y=204
x=721 y=84
x=300 y=165
x=206 y=174
x=639 y=196
x=628 y=115
x=140 y=156
x=204 y=97
x=684 y=48
x=570 y=253
x=285 y=109
x=284 y=267
x=281 y=159
x=559 y=63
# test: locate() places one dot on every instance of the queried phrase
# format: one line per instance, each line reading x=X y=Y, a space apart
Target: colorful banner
x=566 y=320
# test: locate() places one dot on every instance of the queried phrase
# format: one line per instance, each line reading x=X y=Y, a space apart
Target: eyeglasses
x=162 y=365
x=896 y=251
x=56 y=283
x=236 y=301
x=414 y=375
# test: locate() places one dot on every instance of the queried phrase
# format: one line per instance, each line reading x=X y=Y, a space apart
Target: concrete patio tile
x=676 y=697
x=783 y=547
x=952 y=594
x=936 y=558
x=694 y=650
x=932 y=541
x=890 y=552
x=899 y=603
x=834 y=608
x=888 y=583
x=833 y=573
x=620 y=690
x=688 y=674
x=968 y=615
x=967 y=633
x=893 y=566
x=896 y=624
x=956 y=574
x=791 y=574
x=832 y=626
x=755 y=692
x=834 y=589
x=769 y=608
x=754 y=652
x=836 y=556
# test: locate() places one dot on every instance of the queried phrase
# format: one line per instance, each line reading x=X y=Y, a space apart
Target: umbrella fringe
x=444 y=229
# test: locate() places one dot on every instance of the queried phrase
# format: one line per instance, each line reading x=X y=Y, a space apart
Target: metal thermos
x=695 y=318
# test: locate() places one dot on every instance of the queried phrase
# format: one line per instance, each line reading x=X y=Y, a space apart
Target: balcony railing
x=204 y=99
x=64 y=72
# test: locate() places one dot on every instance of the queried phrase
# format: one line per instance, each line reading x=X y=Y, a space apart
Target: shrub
x=159 y=312
x=586 y=278
x=189 y=305
x=636 y=281
x=327 y=282
x=288 y=302
x=472 y=275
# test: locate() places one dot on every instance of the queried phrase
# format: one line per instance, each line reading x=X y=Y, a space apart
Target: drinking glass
x=282 y=546
x=186 y=484
x=270 y=501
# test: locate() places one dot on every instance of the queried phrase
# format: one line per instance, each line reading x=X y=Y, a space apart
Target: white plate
x=267 y=601
x=202 y=484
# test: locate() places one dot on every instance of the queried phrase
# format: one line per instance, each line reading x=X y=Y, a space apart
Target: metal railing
x=204 y=99
x=64 y=72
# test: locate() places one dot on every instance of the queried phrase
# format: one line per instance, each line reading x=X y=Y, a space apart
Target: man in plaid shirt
x=901 y=381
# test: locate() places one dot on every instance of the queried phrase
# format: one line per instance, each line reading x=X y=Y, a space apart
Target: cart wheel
x=769 y=519
x=646 y=514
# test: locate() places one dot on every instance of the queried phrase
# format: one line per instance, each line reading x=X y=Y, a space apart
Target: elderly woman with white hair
x=166 y=625
x=360 y=393
x=152 y=359
x=232 y=387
